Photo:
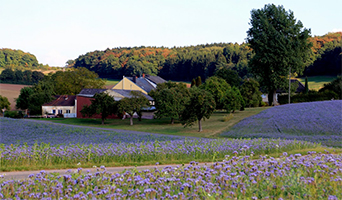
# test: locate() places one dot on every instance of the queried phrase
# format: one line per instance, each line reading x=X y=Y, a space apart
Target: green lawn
x=110 y=82
x=211 y=127
x=317 y=82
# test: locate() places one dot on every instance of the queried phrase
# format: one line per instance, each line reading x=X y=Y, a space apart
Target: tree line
x=187 y=63
x=69 y=82
x=18 y=76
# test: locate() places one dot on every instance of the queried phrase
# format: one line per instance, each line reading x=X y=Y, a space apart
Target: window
x=54 y=111
x=67 y=111
x=60 y=111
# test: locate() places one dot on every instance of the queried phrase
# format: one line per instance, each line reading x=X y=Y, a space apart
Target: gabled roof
x=155 y=79
x=142 y=83
x=301 y=87
x=90 y=92
x=127 y=93
x=62 y=100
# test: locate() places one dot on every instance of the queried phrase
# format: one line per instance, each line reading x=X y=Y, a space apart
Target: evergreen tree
x=198 y=81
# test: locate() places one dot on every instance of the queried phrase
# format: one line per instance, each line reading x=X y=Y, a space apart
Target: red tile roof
x=62 y=100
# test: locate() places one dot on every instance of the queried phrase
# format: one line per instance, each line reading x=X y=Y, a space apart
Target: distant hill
x=18 y=59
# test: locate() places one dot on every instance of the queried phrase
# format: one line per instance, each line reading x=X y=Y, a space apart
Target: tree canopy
x=280 y=44
x=133 y=105
x=170 y=100
x=217 y=87
x=250 y=91
x=4 y=103
x=201 y=105
x=102 y=104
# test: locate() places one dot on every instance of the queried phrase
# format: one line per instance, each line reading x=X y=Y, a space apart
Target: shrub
x=309 y=97
x=334 y=86
x=227 y=117
x=263 y=104
x=13 y=114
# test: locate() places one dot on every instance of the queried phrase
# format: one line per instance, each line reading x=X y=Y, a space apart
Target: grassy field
x=111 y=82
x=211 y=127
x=317 y=82
x=11 y=91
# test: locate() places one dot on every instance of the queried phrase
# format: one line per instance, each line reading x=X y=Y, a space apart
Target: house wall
x=81 y=101
x=126 y=84
x=49 y=109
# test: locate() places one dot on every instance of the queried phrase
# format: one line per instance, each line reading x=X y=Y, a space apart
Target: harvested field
x=11 y=91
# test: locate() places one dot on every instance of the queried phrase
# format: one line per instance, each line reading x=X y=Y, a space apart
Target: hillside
x=186 y=63
x=18 y=59
x=313 y=121
x=177 y=63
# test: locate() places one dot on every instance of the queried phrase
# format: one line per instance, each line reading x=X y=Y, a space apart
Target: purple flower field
x=18 y=131
x=314 y=176
x=319 y=122
x=27 y=143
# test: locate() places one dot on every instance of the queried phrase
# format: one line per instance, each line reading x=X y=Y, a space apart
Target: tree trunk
x=199 y=126
x=275 y=98
x=102 y=121
x=131 y=120
x=172 y=120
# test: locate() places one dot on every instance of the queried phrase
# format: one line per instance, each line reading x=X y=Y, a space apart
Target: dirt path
x=20 y=175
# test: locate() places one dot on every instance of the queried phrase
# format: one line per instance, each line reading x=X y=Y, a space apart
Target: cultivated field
x=11 y=91
x=259 y=168
x=37 y=145
x=315 y=121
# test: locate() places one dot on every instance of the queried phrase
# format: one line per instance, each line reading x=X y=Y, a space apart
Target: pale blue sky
x=58 y=30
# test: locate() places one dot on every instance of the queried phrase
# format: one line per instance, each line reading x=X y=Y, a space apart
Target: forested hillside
x=178 y=63
x=186 y=63
x=18 y=59
x=327 y=55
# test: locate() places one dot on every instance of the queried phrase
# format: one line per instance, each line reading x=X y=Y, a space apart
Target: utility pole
x=289 y=85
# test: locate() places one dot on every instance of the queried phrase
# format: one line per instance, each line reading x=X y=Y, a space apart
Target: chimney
x=143 y=75
x=135 y=79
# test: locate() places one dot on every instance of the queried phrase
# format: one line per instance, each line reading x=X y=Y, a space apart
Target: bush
x=263 y=104
x=227 y=117
x=309 y=97
x=60 y=115
x=13 y=114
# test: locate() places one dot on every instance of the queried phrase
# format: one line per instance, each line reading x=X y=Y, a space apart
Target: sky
x=56 y=31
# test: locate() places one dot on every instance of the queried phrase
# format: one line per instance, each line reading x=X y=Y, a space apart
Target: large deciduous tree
x=231 y=76
x=102 y=104
x=72 y=82
x=200 y=106
x=22 y=102
x=217 y=87
x=133 y=104
x=280 y=44
x=170 y=99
